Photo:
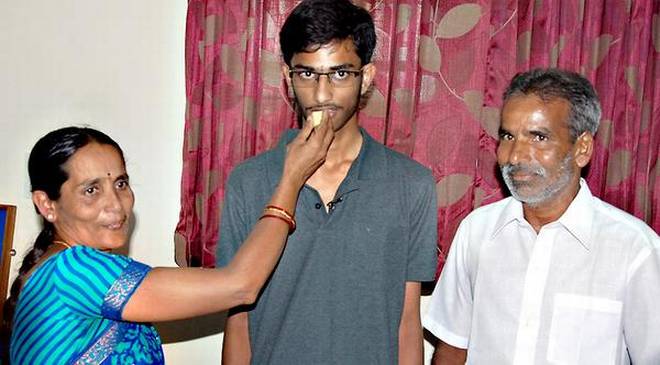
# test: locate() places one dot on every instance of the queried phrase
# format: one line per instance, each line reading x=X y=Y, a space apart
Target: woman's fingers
x=328 y=135
x=306 y=131
x=322 y=130
x=310 y=133
x=307 y=152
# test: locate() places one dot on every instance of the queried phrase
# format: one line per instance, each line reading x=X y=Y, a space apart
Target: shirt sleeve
x=641 y=322
x=449 y=317
x=233 y=228
x=92 y=283
x=422 y=249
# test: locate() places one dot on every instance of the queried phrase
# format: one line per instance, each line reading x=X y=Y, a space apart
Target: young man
x=551 y=275
x=347 y=288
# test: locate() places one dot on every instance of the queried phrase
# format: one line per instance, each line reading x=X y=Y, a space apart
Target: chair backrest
x=7 y=220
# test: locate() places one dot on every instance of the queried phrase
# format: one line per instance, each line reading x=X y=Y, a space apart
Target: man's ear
x=285 y=74
x=584 y=148
x=45 y=205
x=289 y=87
x=368 y=74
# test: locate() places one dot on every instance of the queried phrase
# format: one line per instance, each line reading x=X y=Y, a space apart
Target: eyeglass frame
x=317 y=78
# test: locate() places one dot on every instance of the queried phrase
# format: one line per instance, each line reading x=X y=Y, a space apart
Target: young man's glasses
x=304 y=78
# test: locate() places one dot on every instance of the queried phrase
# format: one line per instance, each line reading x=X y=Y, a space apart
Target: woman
x=79 y=303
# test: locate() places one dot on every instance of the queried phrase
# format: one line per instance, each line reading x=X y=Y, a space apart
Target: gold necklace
x=62 y=243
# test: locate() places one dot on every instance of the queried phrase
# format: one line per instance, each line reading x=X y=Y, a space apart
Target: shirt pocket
x=584 y=330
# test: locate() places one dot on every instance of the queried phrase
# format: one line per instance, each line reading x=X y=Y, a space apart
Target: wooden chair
x=7 y=219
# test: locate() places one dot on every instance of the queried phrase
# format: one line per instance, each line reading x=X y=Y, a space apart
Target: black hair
x=47 y=170
x=552 y=83
x=314 y=23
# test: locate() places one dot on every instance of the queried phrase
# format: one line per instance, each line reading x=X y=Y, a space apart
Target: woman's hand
x=192 y=292
x=307 y=151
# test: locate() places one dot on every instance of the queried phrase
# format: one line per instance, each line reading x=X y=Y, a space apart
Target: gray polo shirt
x=336 y=296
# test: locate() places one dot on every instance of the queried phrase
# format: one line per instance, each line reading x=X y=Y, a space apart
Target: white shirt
x=584 y=290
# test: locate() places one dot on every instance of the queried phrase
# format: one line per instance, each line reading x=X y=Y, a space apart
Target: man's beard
x=545 y=193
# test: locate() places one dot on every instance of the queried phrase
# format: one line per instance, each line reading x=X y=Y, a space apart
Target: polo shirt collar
x=371 y=161
x=577 y=219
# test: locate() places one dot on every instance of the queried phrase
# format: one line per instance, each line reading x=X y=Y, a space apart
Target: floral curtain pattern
x=442 y=68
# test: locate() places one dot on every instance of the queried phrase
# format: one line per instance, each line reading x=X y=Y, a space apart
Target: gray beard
x=548 y=191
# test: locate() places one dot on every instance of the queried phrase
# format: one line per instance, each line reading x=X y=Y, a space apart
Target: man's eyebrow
x=541 y=130
x=342 y=67
x=331 y=68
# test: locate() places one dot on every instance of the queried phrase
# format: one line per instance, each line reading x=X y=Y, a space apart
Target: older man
x=551 y=275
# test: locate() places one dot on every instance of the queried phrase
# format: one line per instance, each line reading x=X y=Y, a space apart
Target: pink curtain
x=442 y=67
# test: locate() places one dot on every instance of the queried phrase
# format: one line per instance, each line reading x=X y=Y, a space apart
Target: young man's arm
x=450 y=309
x=411 y=337
x=421 y=265
x=448 y=355
x=234 y=227
x=236 y=341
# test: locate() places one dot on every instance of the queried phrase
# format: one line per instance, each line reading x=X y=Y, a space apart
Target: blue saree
x=69 y=312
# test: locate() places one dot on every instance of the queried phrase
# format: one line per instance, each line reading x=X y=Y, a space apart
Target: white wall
x=117 y=66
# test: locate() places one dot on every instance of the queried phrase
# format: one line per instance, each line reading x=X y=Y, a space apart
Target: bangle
x=277 y=209
x=281 y=213
x=290 y=222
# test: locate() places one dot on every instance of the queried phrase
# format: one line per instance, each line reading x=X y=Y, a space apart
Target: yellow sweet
x=317 y=117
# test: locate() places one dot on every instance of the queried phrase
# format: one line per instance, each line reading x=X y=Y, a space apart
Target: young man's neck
x=341 y=155
x=346 y=144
